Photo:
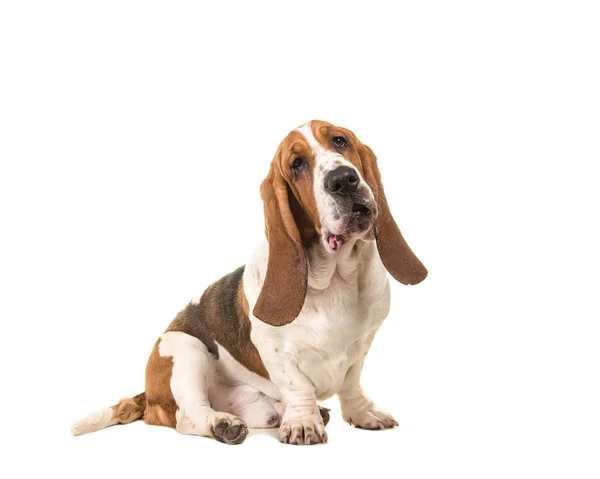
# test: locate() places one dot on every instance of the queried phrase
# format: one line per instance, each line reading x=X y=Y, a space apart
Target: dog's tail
x=125 y=411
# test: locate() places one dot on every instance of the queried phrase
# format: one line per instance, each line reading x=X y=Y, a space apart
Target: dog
x=264 y=343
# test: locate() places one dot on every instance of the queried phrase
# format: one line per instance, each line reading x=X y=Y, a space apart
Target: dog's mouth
x=334 y=242
x=359 y=220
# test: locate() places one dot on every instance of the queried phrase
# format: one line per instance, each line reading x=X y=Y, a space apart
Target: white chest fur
x=346 y=302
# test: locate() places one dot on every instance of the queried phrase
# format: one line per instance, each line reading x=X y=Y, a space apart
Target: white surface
x=133 y=138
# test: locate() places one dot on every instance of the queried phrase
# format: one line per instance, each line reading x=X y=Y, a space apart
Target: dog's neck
x=323 y=266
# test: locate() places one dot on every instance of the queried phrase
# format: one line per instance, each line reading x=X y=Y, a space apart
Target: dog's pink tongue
x=335 y=242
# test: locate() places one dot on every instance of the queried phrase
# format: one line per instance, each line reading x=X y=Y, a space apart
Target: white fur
x=94 y=422
x=192 y=377
x=347 y=300
x=255 y=408
x=321 y=353
x=203 y=396
x=230 y=371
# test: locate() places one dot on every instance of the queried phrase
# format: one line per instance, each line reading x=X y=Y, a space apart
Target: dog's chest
x=330 y=334
x=346 y=302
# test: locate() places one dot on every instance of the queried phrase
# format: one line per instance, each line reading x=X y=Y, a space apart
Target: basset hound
x=265 y=343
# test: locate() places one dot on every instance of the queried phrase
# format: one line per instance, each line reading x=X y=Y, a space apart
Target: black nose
x=341 y=181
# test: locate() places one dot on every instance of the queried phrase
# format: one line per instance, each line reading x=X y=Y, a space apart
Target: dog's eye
x=297 y=163
x=340 y=141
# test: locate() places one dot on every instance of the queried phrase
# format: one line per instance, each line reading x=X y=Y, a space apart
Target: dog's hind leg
x=183 y=363
x=255 y=409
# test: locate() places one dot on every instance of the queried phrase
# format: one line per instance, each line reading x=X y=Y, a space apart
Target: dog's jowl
x=264 y=344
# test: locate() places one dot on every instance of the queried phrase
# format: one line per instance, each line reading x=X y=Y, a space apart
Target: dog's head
x=323 y=185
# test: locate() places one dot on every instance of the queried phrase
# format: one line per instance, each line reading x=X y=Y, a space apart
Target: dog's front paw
x=310 y=430
x=371 y=418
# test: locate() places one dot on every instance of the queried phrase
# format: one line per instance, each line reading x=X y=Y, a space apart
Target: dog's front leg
x=357 y=408
x=302 y=422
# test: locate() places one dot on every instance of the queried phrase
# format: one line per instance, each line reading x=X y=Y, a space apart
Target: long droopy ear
x=396 y=255
x=284 y=288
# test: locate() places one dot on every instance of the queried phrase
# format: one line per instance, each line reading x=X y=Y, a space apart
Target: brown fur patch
x=242 y=302
x=397 y=257
x=221 y=317
x=130 y=409
x=284 y=287
x=161 y=406
x=301 y=197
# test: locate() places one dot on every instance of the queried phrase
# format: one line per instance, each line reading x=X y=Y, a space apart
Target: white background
x=133 y=139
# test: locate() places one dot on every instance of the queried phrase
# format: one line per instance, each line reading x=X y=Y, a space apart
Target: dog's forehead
x=318 y=135
x=306 y=131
